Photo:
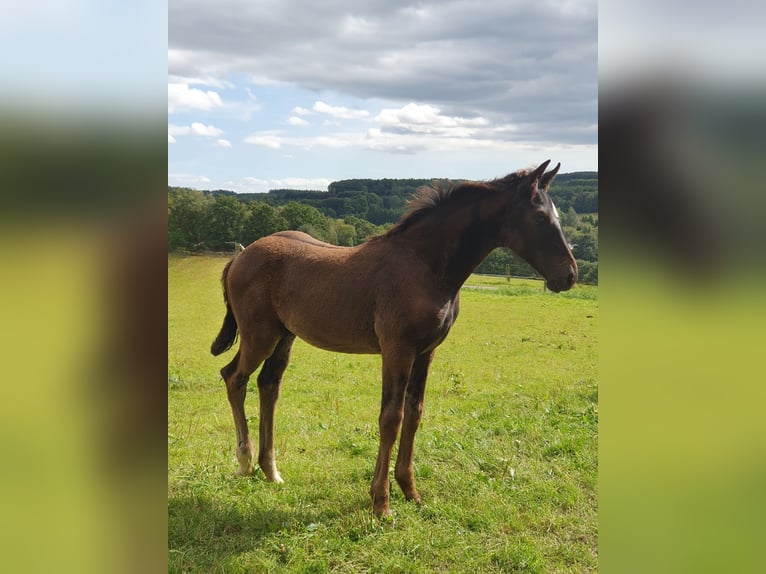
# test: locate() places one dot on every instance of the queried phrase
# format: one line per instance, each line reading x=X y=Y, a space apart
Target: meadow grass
x=505 y=459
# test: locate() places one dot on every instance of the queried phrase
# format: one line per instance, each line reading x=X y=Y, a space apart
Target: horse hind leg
x=236 y=375
x=236 y=389
x=269 y=383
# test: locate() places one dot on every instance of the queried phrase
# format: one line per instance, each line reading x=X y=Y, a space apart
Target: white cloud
x=427 y=131
x=296 y=121
x=297 y=110
x=182 y=98
x=171 y=139
x=411 y=113
x=197 y=129
x=207 y=80
x=410 y=129
x=427 y=119
x=412 y=143
x=201 y=129
x=269 y=140
x=356 y=26
x=222 y=143
x=339 y=111
x=276 y=140
x=332 y=141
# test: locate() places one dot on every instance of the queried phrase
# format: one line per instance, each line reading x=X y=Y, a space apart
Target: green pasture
x=505 y=459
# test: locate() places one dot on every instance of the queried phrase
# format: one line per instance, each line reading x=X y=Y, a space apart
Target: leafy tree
x=305 y=218
x=346 y=235
x=188 y=211
x=588 y=272
x=381 y=216
x=584 y=245
x=569 y=218
x=262 y=221
x=364 y=228
x=227 y=223
x=313 y=231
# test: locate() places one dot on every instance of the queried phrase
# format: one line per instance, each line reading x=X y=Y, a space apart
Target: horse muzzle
x=562 y=282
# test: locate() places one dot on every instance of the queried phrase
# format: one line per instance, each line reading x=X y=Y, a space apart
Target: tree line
x=382 y=201
x=200 y=221
x=353 y=210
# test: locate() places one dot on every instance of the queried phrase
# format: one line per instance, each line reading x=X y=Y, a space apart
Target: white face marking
x=556 y=211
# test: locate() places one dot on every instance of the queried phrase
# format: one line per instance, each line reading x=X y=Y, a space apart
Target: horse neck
x=455 y=241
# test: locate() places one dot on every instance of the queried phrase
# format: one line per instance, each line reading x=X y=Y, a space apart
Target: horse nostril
x=570 y=279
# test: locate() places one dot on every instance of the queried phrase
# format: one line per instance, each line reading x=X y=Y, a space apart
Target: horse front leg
x=396 y=372
x=413 y=410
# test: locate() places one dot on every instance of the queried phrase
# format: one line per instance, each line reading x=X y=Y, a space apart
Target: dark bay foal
x=395 y=295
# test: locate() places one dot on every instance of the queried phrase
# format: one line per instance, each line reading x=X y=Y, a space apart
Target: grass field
x=505 y=459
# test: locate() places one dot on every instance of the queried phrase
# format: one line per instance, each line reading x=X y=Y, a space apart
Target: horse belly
x=334 y=337
x=338 y=346
x=325 y=325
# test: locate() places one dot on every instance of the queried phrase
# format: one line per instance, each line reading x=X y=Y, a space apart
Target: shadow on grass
x=205 y=532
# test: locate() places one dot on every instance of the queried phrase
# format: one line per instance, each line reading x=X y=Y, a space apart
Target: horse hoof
x=272 y=474
x=244 y=471
x=381 y=510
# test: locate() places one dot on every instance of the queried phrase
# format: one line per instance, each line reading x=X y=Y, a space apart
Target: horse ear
x=547 y=178
x=540 y=170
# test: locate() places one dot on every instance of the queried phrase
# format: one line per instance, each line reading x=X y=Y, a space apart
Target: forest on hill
x=352 y=210
x=382 y=201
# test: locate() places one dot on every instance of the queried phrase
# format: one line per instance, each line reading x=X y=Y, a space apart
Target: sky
x=267 y=94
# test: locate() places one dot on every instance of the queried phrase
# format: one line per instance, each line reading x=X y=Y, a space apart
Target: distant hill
x=382 y=201
x=578 y=190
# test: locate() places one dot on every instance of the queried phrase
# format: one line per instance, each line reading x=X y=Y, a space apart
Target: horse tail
x=228 y=334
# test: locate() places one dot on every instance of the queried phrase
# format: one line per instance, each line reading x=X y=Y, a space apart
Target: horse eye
x=540 y=218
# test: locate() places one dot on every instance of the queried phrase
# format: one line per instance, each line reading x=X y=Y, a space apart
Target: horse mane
x=428 y=199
